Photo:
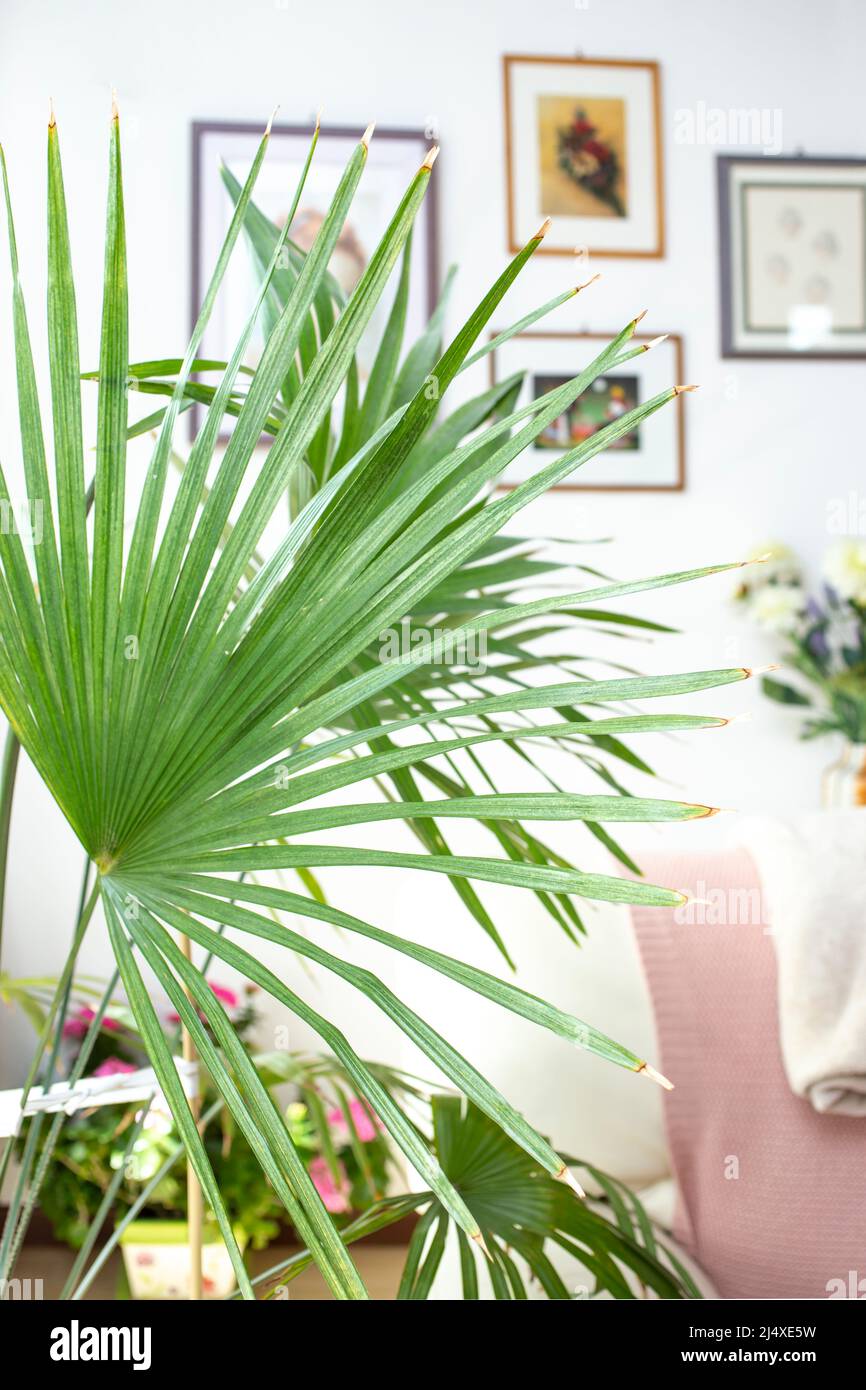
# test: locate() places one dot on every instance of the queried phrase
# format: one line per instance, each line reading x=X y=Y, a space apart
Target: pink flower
x=335 y=1196
x=113 y=1066
x=365 y=1123
x=77 y=1025
x=226 y=996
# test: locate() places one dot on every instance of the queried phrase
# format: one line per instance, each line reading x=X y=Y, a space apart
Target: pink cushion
x=792 y=1224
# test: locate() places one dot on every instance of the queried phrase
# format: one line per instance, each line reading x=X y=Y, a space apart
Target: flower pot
x=844 y=782
x=156 y=1257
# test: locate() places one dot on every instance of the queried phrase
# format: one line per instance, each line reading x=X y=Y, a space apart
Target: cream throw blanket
x=813 y=872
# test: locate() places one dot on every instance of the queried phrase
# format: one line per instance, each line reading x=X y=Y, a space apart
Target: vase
x=156 y=1258
x=844 y=782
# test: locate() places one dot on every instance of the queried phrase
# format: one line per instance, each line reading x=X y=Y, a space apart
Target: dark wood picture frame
x=510 y=60
x=200 y=129
x=676 y=341
x=727 y=288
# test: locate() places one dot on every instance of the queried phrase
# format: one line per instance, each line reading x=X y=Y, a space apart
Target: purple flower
x=815 y=611
x=817 y=644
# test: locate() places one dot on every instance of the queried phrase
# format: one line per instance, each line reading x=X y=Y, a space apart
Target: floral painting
x=609 y=398
x=583 y=148
x=582 y=156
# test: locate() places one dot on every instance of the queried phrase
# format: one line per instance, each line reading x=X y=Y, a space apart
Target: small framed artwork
x=651 y=458
x=582 y=147
x=792 y=241
x=394 y=158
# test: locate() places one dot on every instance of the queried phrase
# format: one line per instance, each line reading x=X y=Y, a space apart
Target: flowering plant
x=825 y=635
x=341 y=1140
x=588 y=162
x=349 y=1157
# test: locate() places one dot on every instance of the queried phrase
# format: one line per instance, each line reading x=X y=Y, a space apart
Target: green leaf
x=255 y=688
x=110 y=485
x=783 y=693
x=249 y=1102
x=377 y=397
x=368 y=1085
x=501 y=992
x=172 y=1089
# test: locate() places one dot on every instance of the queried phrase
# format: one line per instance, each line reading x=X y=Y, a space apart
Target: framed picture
x=792 y=241
x=582 y=147
x=394 y=158
x=651 y=458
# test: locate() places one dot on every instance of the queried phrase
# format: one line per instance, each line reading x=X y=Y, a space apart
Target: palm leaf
x=524 y=1216
x=255 y=685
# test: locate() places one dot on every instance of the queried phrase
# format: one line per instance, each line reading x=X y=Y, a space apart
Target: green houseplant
x=189 y=702
x=125 y=1162
x=343 y=1147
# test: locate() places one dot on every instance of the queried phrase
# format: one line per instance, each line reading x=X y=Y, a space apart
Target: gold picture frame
x=603 y=186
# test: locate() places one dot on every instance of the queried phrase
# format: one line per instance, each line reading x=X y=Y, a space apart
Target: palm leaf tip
x=565 y=1175
x=483 y=1246
x=650 y=1072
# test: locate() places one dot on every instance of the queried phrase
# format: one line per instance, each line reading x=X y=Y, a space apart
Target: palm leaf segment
x=526 y=1218
x=189 y=703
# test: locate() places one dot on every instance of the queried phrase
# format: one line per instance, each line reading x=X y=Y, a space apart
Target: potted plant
x=127 y=1161
x=189 y=700
x=824 y=639
x=344 y=1147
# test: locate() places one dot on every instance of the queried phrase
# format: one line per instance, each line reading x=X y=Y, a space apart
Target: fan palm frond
x=189 y=701
x=525 y=1217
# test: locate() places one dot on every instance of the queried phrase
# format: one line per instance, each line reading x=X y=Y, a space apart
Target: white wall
x=768 y=444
